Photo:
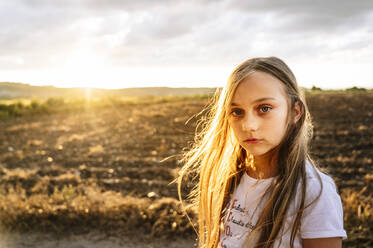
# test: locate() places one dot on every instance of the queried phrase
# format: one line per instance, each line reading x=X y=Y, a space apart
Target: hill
x=10 y=90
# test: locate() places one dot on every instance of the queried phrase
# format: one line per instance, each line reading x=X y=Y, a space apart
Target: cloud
x=306 y=15
x=43 y=33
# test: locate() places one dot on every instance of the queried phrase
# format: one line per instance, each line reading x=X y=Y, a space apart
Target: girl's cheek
x=237 y=129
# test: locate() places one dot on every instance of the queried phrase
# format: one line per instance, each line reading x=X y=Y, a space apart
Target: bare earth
x=90 y=240
x=104 y=156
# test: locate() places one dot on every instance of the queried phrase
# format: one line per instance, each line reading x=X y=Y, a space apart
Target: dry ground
x=73 y=173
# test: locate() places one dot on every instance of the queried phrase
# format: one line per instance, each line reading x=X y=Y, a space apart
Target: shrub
x=314 y=88
x=356 y=89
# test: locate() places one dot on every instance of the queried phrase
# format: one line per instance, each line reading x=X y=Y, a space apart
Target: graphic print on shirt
x=243 y=212
x=238 y=223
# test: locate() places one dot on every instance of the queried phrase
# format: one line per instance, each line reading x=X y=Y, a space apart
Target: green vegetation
x=314 y=88
x=353 y=90
x=24 y=107
x=356 y=89
x=18 y=90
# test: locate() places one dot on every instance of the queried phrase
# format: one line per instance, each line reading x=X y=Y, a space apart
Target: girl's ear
x=297 y=112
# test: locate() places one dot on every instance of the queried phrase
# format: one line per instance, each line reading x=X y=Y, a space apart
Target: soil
x=91 y=240
x=123 y=149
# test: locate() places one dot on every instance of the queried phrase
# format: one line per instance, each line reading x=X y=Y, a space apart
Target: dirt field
x=85 y=173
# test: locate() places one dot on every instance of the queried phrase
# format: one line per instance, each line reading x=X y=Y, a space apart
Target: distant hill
x=19 y=90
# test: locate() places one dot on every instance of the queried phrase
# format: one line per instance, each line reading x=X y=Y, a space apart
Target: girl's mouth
x=252 y=141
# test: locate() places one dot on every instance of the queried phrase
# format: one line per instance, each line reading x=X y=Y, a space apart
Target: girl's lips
x=252 y=141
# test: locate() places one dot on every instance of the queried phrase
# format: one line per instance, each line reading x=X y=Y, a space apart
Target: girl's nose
x=250 y=124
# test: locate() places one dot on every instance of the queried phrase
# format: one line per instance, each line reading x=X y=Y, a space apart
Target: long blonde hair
x=217 y=157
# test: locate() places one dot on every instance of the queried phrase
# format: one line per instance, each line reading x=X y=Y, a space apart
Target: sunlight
x=88 y=95
x=82 y=66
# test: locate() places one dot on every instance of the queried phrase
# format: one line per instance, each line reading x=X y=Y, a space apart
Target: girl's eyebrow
x=257 y=100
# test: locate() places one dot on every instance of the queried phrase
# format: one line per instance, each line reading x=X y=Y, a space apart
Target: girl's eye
x=237 y=112
x=265 y=109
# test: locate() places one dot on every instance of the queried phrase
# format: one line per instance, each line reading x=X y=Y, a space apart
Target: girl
x=258 y=186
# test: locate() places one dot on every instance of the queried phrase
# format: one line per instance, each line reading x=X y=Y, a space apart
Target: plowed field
x=52 y=165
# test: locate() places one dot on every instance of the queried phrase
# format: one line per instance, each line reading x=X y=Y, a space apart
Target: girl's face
x=258 y=113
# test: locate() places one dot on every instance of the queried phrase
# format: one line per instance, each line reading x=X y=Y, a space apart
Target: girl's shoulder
x=320 y=188
x=317 y=181
x=323 y=214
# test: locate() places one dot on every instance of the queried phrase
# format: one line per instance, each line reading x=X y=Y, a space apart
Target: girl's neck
x=263 y=167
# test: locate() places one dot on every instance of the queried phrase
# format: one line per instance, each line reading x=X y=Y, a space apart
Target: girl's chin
x=258 y=154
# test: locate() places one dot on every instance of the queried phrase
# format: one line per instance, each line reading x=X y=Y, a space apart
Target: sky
x=183 y=43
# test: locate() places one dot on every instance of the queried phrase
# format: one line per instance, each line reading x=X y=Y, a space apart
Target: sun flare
x=88 y=93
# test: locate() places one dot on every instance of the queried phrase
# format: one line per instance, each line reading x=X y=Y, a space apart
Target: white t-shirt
x=324 y=218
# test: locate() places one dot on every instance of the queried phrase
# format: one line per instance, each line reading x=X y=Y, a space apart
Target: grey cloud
x=309 y=15
x=22 y=28
x=102 y=5
x=173 y=22
x=335 y=8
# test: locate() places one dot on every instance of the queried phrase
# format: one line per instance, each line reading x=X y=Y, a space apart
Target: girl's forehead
x=259 y=85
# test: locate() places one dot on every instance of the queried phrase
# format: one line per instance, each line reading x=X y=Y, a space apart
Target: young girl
x=258 y=186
